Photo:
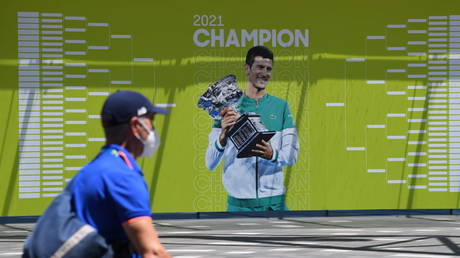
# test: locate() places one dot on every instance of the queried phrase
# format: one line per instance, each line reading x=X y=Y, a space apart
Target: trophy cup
x=248 y=129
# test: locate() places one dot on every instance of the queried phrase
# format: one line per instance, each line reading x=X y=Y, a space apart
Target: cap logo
x=141 y=111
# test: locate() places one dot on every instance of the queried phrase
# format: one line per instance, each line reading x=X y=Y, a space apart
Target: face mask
x=151 y=144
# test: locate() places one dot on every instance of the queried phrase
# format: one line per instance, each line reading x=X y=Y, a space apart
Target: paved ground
x=373 y=236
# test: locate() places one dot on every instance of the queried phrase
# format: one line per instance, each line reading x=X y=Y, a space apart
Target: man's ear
x=133 y=125
x=247 y=69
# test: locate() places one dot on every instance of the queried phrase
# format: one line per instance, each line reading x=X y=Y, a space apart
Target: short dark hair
x=258 y=51
x=116 y=133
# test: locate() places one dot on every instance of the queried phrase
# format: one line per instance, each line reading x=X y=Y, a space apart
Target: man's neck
x=125 y=144
x=253 y=92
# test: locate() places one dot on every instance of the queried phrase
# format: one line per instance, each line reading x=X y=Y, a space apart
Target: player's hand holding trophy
x=248 y=129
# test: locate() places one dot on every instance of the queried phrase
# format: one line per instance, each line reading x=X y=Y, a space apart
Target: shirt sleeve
x=216 y=124
x=215 y=151
x=287 y=154
x=288 y=121
x=130 y=195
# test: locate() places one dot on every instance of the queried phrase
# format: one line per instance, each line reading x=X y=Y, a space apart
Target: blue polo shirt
x=110 y=191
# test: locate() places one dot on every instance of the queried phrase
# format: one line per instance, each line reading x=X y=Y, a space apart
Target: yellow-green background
x=325 y=176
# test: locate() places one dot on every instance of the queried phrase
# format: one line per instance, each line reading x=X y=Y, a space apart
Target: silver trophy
x=248 y=129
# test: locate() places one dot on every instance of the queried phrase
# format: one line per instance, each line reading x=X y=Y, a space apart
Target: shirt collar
x=127 y=154
x=245 y=98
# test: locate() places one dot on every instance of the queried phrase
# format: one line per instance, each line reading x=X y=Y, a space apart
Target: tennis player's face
x=260 y=73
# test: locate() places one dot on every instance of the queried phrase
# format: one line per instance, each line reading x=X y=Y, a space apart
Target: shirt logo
x=272 y=116
x=141 y=111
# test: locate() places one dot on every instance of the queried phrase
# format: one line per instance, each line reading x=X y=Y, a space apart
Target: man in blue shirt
x=110 y=192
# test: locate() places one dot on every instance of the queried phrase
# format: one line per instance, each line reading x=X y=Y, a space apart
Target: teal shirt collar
x=247 y=100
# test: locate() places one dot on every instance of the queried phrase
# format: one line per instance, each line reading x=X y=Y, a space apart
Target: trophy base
x=246 y=133
x=246 y=151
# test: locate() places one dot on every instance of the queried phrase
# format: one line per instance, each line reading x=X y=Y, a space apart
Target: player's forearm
x=222 y=139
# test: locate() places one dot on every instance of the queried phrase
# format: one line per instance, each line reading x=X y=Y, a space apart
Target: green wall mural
x=374 y=89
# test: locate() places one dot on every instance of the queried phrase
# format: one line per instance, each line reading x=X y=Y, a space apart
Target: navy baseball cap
x=122 y=105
